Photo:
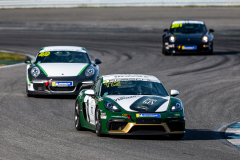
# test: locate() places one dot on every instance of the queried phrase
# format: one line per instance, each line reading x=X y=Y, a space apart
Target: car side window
x=94 y=85
x=97 y=87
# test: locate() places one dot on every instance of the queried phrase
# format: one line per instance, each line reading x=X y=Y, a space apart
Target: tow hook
x=129 y=117
x=47 y=83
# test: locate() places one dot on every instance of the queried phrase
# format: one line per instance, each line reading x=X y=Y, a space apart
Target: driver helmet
x=144 y=86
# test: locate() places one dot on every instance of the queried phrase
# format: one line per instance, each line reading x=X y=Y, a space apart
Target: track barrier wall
x=112 y=3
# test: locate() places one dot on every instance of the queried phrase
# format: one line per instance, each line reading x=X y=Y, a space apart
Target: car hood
x=62 y=69
x=141 y=103
x=188 y=38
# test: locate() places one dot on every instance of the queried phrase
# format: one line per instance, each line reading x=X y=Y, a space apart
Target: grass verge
x=10 y=58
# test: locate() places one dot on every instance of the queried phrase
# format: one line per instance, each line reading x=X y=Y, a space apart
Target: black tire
x=211 y=51
x=77 y=117
x=164 y=52
x=176 y=136
x=28 y=94
x=98 y=123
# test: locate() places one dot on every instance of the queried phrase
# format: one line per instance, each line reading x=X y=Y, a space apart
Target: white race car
x=60 y=70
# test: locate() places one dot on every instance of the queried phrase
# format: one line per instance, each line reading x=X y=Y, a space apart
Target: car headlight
x=35 y=71
x=176 y=107
x=89 y=72
x=111 y=107
x=172 y=39
x=205 y=39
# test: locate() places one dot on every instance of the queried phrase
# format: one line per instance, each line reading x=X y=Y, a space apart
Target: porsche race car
x=187 y=36
x=130 y=104
x=60 y=70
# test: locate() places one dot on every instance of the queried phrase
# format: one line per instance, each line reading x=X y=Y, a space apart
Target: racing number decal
x=117 y=83
x=44 y=54
x=177 y=25
x=90 y=110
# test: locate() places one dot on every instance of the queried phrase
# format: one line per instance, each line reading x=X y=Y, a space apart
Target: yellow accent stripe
x=130 y=125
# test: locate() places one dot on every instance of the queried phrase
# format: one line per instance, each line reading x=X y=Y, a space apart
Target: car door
x=91 y=102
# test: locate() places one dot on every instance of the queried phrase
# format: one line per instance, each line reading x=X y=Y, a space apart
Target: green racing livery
x=129 y=104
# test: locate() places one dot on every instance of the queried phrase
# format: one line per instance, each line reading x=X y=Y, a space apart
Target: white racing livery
x=60 y=70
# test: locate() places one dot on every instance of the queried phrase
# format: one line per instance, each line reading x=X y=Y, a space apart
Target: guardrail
x=115 y=3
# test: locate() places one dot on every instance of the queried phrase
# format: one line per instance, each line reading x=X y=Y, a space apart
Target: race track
x=127 y=40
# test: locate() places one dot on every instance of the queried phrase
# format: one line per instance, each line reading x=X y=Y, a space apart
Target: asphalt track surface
x=127 y=40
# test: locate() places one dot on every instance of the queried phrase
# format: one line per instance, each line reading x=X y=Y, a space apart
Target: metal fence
x=114 y=3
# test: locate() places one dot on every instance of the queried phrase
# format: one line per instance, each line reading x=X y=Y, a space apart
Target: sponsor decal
x=61 y=84
x=149 y=104
x=122 y=98
x=148 y=115
x=81 y=93
x=143 y=107
x=189 y=47
x=117 y=114
x=149 y=101
x=121 y=115
x=100 y=99
x=103 y=115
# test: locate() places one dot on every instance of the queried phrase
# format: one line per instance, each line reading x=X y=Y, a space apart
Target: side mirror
x=98 y=61
x=174 y=93
x=211 y=30
x=87 y=85
x=90 y=92
x=27 y=61
x=165 y=30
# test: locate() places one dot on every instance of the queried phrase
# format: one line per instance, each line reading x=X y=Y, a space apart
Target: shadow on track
x=225 y=53
x=55 y=97
x=214 y=54
x=191 y=135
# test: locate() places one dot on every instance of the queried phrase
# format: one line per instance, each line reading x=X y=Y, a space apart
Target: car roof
x=188 y=21
x=63 y=48
x=128 y=77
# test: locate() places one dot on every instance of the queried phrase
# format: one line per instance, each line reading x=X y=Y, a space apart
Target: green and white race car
x=130 y=104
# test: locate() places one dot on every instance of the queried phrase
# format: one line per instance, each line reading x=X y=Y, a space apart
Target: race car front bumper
x=188 y=48
x=123 y=127
x=39 y=87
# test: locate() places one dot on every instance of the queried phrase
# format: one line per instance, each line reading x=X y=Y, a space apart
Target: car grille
x=62 y=89
x=117 y=125
x=176 y=125
x=147 y=129
x=39 y=87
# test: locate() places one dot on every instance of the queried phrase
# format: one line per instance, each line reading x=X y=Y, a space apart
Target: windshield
x=187 y=27
x=133 y=88
x=62 y=57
